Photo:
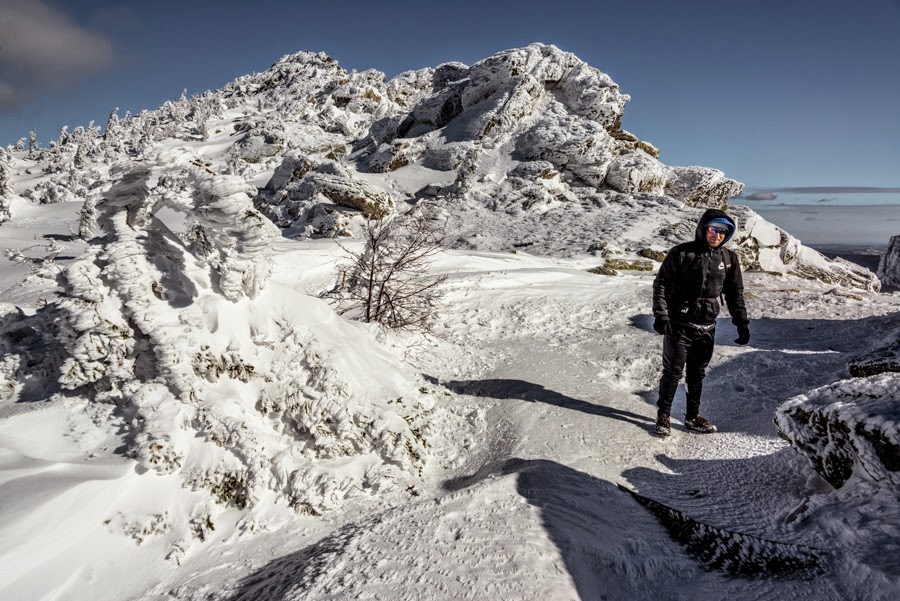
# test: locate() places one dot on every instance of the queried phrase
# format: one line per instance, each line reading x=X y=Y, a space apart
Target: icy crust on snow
x=247 y=391
x=848 y=428
x=889 y=265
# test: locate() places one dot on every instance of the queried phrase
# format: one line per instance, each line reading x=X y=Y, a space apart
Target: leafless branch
x=388 y=281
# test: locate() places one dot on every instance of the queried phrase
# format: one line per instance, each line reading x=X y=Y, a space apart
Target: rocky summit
x=522 y=150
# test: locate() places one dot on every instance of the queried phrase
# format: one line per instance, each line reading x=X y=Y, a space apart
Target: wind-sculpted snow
x=250 y=393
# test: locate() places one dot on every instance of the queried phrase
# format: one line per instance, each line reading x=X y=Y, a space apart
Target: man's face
x=715 y=235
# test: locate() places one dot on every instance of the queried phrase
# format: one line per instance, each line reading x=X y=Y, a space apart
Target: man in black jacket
x=686 y=292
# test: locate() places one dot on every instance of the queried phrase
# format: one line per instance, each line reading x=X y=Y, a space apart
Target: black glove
x=743 y=334
x=662 y=326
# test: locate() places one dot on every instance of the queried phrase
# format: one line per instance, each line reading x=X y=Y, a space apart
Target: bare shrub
x=388 y=282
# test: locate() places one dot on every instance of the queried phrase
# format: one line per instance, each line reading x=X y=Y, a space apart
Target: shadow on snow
x=614 y=543
x=535 y=393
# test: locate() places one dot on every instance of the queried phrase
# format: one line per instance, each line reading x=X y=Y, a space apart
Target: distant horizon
x=829 y=189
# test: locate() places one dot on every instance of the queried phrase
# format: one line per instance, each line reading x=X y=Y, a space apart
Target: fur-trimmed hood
x=718 y=216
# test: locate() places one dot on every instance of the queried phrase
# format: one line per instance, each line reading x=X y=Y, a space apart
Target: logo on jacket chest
x=721 y=265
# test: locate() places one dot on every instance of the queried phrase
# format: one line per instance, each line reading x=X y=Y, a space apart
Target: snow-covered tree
x=80 y=153
x=87 y=219
x=112 y=136
x=32 y=142
x=6 y=189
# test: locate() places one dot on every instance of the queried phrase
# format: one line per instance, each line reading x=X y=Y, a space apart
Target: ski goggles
x=721 y=231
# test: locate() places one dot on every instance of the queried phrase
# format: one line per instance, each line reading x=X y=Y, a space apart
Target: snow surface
x=186 y=417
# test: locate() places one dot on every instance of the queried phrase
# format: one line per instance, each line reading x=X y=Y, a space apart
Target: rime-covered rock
x=765 y=247
x=637 y=172
x=296 y=184
x=463 y=139
x=846 y=428
x=889 y=264
x=701 y=186
x=882 y=360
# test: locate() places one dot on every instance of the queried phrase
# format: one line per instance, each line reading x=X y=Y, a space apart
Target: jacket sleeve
x=663 y=283
x=734 y=293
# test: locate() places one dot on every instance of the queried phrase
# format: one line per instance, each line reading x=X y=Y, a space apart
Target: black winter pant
x=685 y=346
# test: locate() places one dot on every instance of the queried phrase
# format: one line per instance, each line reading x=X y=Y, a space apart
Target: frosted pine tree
x=32 y=143
x=6 y=189
x=64 y=136
x=80 y=153
x=87 y=219
x=113 y=134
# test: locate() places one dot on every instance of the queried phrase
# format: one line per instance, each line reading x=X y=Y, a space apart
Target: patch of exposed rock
x=883 y=360
x=299 y=183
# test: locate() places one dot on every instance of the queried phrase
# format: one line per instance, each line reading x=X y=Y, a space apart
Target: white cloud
x=760 y=196
x=41 y=47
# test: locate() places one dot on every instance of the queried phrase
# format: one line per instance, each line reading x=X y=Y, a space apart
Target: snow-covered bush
x=387 y=282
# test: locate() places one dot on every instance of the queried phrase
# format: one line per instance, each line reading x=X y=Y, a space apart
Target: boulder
x=763 y=246
x=345 y=191
x=292 y=168
x=389 y=157
x=848 y=428
x=701 y=186
x=889 y=265
x=883 y=360
x=637 y=172
x=255 y=147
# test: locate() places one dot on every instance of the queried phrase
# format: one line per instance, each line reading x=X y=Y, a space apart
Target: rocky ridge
x=522 y=150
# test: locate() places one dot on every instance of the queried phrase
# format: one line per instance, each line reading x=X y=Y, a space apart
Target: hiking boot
x=663 y=427
x=700 y=424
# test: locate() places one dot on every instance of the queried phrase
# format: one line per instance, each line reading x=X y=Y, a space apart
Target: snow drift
x=250 y=392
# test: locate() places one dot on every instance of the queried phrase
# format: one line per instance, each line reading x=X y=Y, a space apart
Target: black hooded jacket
x=694 y=276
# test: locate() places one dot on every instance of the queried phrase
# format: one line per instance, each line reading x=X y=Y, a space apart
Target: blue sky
x=788 y=93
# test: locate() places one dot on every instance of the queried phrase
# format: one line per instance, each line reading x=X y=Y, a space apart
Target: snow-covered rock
x=701 y=186
x=298 y=181
x=637 y=172
x=881 y=360
x=848 y=428
x=763 y=246
x=889 y=265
